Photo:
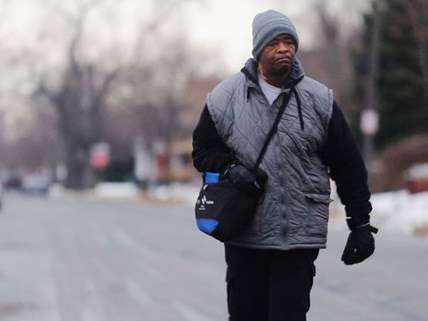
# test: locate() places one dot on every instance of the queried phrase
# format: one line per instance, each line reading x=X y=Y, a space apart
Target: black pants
x=269 y=285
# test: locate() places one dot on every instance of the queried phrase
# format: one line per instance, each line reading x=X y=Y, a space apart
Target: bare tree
x=330 y=60
x=87 y=96
x=329 y=33
x=78 y=100
x=155 y=95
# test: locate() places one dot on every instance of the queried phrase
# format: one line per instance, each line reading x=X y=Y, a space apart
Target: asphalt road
x=83 y=260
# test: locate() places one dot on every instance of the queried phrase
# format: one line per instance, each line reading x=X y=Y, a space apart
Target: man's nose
x=282 y=47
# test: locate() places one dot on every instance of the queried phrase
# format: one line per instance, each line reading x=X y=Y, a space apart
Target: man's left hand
x=360 y=245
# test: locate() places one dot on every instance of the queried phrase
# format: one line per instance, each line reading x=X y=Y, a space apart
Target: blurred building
x=180 y=165
x=398 y=166
x=322 y=64
x=196 y=92
x=181 y=161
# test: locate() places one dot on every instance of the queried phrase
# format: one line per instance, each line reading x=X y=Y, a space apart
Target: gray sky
x=221 y=27
x=225 y=25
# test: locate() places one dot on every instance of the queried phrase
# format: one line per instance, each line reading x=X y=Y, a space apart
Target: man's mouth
x=283 y=60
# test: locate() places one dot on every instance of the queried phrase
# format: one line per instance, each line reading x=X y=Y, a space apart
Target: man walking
x=270 y=266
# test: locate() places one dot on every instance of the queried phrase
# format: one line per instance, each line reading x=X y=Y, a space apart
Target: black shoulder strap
x=273 y=129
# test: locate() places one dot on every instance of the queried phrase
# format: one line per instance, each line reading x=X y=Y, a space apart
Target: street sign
x=369 y=122
x=100 y=155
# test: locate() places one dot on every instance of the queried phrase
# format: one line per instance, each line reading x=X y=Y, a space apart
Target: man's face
x=278 y=55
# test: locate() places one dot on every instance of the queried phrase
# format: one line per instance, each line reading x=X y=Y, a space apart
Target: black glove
x=360 y=244
x=245 y=180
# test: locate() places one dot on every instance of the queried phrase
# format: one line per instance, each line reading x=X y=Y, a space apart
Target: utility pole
x=369 y=121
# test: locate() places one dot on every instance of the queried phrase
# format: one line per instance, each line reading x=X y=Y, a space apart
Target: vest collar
x=250 y=71
x=296 y=75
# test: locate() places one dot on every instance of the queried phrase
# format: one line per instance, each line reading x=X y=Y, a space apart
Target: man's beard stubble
x=278 y=71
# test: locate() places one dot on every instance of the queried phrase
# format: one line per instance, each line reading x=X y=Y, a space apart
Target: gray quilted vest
x=293 y=212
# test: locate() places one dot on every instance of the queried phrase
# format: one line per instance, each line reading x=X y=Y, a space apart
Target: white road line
x=124 y=239
x=189 y=313
x=137 y=293
x=49 y=291
x=127 y=241
x=98 y=235
x=89 y=315
x=100 y=267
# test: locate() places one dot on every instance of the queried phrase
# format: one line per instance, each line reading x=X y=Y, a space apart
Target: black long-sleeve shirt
x=340 y=154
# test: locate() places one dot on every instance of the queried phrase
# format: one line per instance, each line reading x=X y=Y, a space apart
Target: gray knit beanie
x=269 y=24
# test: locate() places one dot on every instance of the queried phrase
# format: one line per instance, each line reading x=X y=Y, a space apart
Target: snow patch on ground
x=116 y=190
x=176 y=192
x=401 y=211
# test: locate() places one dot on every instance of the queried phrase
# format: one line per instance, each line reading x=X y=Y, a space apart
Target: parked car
x=13 y=182
x=37 y=184
x=417 y=178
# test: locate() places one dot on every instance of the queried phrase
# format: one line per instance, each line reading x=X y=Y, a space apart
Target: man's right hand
x=246 y=180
